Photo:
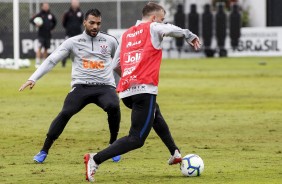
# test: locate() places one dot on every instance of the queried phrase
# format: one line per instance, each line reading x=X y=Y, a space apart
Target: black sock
x=96 y=158
x=113 y=137
x=47 y=144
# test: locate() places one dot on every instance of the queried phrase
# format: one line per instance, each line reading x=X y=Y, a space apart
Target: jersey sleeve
x=115 y=46
x=50 y=62
x=54 y=22
x=116 y=65
x=116 y=59
x=159 y=30
x=115 y=55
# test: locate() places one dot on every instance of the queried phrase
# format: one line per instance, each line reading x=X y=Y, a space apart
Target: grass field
x=228 y=111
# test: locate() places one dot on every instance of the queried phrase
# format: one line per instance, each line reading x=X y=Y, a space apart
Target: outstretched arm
x=26 y=84
x=116 y=61
x=61 y=52
x=116 y=64
x=159 y=30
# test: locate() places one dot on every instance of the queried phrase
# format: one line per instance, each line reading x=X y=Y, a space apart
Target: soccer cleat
x=175 y=158
x=40 y=157
x=90 y=166
x=116 y=158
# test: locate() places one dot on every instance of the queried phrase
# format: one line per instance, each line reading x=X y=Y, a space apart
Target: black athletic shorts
x=44 y=42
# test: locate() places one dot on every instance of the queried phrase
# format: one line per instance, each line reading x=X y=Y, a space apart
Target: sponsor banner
x=28 y=44
x=256 y=41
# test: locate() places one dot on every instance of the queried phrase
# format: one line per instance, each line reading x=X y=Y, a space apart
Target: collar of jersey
x=90 y=37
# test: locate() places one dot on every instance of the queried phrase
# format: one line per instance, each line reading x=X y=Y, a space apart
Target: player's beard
x=92 y=32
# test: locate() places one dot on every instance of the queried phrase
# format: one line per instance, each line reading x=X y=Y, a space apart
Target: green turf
x=229 y=111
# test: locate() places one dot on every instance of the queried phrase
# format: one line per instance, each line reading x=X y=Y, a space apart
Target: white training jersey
x=158 y=31
x=92 y=62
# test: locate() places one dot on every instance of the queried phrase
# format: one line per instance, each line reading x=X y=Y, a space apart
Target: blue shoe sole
x=36 y=161
x=40 y=157
x=116 y=158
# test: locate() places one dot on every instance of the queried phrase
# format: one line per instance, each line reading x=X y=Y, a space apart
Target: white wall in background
x=257 y=10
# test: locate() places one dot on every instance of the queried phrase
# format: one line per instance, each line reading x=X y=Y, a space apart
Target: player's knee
x=112 y=108
x=136 y=141
x=68 y=113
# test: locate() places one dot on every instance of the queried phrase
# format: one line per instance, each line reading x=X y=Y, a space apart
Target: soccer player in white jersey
x=92 y=79
x=138 y=62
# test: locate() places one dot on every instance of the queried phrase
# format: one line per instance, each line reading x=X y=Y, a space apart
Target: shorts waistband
x=92 y=85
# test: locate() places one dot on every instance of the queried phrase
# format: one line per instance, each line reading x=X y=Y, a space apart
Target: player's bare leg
x=38 y=57
x=45 y=54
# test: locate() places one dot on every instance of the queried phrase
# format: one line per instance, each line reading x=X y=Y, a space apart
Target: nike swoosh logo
x=80 y=49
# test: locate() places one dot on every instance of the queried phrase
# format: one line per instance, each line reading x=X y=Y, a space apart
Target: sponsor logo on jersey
x=124 y=82
x=138 y=88
x=130 y=79
x=102 y=40
x=138 y=32
x=90 y=64
x=128 y=71
x=82 y=40
x=133 y=78
x=95 y=83
x=130 y=44
x=132 y=57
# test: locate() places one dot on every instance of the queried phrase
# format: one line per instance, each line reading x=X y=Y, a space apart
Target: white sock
x=37 y=61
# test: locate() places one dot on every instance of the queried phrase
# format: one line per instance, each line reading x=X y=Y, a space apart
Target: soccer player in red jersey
x=138 y=60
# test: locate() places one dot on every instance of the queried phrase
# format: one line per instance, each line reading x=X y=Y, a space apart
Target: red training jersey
x=139 y=60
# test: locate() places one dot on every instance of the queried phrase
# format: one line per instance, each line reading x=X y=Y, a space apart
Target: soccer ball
x=38 y=21
x=192 y=165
